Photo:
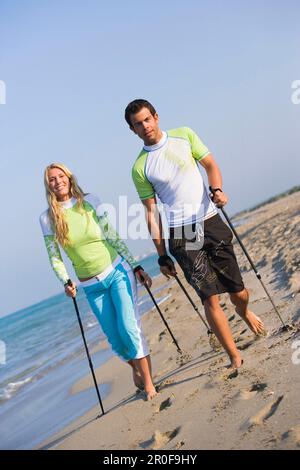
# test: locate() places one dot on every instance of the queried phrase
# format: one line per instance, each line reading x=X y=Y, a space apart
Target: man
x=168 y=167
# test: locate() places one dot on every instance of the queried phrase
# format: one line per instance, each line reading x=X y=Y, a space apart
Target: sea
x=41 y=357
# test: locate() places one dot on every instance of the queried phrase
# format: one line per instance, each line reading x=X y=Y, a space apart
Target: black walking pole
x=285 y=327
x=162 y=317
x=87 y=351
x=209 y=332
x=213 y=341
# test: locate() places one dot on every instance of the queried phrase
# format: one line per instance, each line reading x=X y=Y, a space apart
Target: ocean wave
x=91 y=324
x=11 y=389
x=145 y=255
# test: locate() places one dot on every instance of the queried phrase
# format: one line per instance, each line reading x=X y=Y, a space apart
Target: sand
x=201 y=405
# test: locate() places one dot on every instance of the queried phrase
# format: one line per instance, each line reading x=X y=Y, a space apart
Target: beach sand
x=201 y=405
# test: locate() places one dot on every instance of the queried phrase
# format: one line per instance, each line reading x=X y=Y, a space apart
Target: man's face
x=146 y=126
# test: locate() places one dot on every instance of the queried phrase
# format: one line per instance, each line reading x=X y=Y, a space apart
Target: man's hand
x=143 y=277
x=71 y=290
x=219 y=198
x=167 y=267
x=168 y=271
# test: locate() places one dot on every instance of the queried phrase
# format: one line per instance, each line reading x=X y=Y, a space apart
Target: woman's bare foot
x=137 y=379
x=151 y=393
x=255 y=323
x=142 y=376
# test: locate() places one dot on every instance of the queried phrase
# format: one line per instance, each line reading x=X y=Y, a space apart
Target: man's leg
x=219 y=325
x=201 y=275
x=240 y=300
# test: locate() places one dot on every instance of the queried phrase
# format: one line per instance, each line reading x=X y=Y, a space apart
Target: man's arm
x=155 y=229
x=154 y=223
x=214 y=179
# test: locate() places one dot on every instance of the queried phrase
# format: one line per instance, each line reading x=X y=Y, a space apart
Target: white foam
x=12 y=388
x=91 y=324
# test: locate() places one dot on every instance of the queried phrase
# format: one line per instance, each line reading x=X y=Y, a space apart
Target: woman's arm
x=115 y=240
x=55 y=259
x=53 y=250
x=109 y=231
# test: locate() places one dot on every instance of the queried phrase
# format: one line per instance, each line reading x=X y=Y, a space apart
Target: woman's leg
x=142 y=365
x=137 y=378
x=103 y=308
x=124 y=298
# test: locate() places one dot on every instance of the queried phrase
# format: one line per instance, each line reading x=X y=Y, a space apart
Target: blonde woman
x=104 y=266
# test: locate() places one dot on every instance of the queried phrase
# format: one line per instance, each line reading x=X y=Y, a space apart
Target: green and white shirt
x=170 y=170
x=95 y=247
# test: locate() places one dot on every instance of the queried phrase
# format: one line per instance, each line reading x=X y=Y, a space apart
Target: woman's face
x=59 y=184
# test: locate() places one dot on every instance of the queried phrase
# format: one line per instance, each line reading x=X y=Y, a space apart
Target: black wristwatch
x=214 y=190
x=138 y=268
x=164 y=260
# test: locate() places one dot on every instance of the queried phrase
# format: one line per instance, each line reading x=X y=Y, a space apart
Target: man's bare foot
x=151 y=393
x=255 y=323
x=236 y=362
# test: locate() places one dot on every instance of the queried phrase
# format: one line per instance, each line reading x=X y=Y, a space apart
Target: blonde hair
x=56 y=215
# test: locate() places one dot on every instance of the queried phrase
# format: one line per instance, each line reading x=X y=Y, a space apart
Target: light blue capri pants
x=113 y=300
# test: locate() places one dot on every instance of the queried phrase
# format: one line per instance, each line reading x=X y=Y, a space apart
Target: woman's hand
x=143 y=277
x=71 y=290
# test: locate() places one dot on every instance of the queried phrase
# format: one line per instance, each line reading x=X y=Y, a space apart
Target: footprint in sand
x=247 y=345
x=292 y=436
x=238 y=340
x=214 y=343
x=265 y=413
x=179 y=444
x=215 y=379
x=165 y=404
x=254 y=390
x=183 y=358
x=231 y=373
x=162 y=334
x=164 y=384
x=191 y=395
x=160 y=439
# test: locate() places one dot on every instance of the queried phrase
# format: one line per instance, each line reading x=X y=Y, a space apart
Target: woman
x=103 y=265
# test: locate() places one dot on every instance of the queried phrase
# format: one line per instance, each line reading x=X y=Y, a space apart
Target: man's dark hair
x=135 y=106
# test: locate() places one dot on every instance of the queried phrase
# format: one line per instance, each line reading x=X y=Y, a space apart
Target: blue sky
x=70 y=68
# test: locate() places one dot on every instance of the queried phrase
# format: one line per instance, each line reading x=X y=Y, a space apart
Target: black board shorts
x=211 y=269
